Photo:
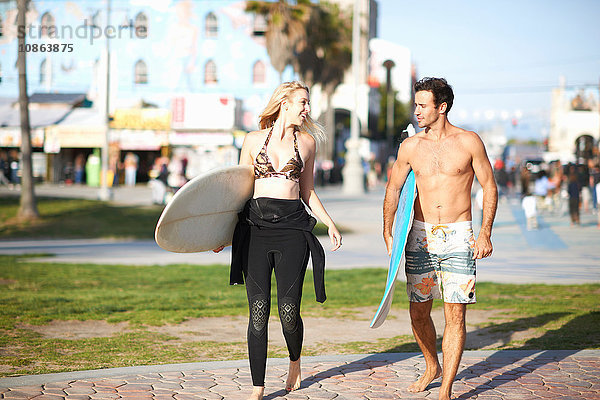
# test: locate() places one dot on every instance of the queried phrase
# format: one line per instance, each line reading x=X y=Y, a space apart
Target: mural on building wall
x=188 y=47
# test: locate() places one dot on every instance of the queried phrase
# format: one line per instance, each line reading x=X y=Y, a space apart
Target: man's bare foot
x=293 y=379
x=445 y=397
x=425 y=380
x=257 y=393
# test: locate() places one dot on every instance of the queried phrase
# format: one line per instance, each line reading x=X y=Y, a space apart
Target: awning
x=10 y=115
x=130 y=139
x=11 y=137
x=81 y=128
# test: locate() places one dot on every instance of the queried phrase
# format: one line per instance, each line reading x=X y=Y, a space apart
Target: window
x=141 y=73
x=210 y=72
x=44 y=72
x=95 y=19
x=211 y=25
x=260 y=25
x=258 y=72
x=47 y=24
x=141 y=25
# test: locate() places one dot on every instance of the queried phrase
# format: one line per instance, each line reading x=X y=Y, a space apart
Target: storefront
x=70 y=144
x=140 y=136
x=204 y=131
x=10 y=152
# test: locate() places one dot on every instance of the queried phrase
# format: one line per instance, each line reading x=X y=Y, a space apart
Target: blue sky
x=501 y=57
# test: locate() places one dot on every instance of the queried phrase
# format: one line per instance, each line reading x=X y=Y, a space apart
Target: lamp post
x=353 y=171
x=106 y=193
x=389 y=115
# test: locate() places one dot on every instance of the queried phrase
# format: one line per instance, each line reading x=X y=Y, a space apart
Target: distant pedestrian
x=541 y=187
x=3 y=169
x=574 y=190
x=597 y=190
x=594 y=180
x=131 y=166
x=79 y=168
x=530 y=208
x=583 y=177
x=13 y=167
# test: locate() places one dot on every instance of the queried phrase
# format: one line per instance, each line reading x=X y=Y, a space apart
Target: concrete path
x=556 y=253
x=482 y=375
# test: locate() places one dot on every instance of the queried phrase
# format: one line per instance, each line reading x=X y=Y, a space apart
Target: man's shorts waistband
x=458 y=226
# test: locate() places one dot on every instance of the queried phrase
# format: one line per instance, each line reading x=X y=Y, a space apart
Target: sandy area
x=317 y=330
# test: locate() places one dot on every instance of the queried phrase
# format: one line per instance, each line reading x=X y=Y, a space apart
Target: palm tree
x=315 y=38
x=325 y=55
x=28 y=207
x=286 y=27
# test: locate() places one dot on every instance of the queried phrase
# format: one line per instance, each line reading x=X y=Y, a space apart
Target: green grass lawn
x=566 y=316
x=75 y=218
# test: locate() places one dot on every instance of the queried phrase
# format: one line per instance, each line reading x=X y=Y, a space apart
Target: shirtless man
x=441 y=249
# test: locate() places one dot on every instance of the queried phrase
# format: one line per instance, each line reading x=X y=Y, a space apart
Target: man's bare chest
x=445 y=158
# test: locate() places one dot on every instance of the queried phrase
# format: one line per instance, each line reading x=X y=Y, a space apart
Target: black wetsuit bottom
x=286 y=252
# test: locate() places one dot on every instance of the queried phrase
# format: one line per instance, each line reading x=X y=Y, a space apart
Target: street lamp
x=389 y=115
x=105 y=193
x=353 y=171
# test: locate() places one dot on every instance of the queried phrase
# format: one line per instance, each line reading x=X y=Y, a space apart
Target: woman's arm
x=309 y=196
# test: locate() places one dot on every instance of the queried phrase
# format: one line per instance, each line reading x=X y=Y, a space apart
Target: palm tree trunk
x=28 y=208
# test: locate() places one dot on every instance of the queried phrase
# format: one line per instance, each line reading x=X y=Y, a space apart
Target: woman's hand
x=335 y=236
x=218 y=249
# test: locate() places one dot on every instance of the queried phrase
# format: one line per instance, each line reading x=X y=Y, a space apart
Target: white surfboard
x=203 y=213
x=402 y=225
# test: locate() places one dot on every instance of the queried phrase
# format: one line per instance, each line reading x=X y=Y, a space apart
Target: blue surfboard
x=402 y=224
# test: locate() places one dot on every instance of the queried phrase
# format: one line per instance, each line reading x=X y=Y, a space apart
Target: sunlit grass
x=31 y=293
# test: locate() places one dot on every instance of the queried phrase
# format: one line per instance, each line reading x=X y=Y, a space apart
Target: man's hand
x=388 y=243
x=218 y=249
x=483 y=247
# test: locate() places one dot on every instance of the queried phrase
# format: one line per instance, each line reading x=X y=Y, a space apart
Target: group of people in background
x=166 y=177
x=9 y=168
x=558 y=189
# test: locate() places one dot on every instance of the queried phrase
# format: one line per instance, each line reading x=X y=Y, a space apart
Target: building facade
x=574 y=123
x=177 y=78
x=206 y=61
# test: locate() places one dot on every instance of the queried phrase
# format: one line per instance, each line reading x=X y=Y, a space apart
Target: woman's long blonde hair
x=271 y=111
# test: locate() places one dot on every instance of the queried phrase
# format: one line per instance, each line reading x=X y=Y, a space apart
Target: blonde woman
x=274 y=232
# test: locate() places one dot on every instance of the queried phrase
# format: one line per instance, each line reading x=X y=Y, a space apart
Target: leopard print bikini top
x=291 y=170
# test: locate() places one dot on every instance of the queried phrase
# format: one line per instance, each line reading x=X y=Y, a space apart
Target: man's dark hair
x=442 y=92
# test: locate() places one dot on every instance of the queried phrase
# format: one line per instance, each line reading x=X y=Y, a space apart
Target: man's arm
x=400 y=171
x=485 y=176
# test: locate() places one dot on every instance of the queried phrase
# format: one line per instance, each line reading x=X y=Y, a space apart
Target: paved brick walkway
x=482 y=375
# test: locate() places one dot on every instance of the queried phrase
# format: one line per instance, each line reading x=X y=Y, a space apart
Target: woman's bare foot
x=425 y=380
x=293 y=379
x=257 y=393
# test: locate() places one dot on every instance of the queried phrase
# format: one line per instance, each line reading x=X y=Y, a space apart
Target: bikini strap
x=268 y=138
x=296 y=145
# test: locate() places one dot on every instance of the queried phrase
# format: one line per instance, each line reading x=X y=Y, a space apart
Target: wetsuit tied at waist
x=270 y=213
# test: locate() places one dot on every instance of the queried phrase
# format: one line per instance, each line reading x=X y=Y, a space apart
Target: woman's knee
x=289 y=314
x=259 y=314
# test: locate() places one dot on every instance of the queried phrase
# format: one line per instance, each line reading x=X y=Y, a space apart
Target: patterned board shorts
x=440 y=254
